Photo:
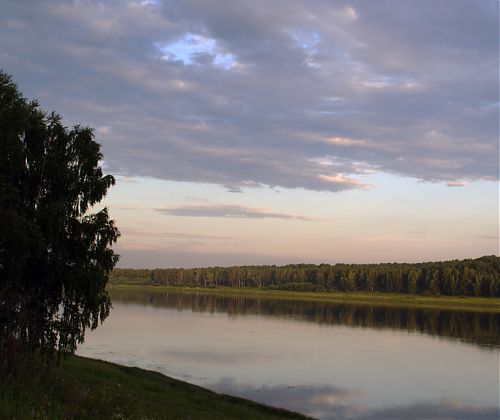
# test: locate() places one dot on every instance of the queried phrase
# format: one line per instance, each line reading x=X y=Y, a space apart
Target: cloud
x=137 y=240
x=232 y=189
x=229 y=210
x=456 y=183
x=344 y=141
x=167 y=235
x=340 y=179
x=232 y=92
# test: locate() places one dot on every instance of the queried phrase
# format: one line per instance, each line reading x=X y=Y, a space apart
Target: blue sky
x=278 y=131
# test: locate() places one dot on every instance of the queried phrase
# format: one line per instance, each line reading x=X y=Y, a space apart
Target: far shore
x=477 y=304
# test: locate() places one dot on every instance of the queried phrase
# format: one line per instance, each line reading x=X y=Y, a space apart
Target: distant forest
x=471 y=277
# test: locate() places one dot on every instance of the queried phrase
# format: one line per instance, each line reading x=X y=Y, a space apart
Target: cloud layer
x=229 y=210
x=287 y=93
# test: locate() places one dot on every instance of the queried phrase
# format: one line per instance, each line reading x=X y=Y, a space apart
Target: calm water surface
x=322 y=359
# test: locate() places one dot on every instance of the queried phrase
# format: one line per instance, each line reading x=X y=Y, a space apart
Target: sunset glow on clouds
x=277 y=131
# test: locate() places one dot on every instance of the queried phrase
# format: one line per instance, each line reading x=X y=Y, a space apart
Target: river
x=327 y=360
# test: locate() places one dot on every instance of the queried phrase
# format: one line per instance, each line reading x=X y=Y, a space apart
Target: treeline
x=471 y=277
x=482 y=328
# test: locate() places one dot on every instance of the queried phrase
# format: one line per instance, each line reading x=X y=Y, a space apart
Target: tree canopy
x=55 y=244
x=471 y=277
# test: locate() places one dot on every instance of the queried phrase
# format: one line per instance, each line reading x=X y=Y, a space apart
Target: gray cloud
x=228 y=210
x=176 y=235
x=232 y=189
x=319 y=95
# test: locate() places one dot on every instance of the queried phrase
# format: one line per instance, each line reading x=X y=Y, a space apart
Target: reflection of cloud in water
x=328 y=402
x=446 y=409
x=214 y=357
x=313 y=400
x=328 y=399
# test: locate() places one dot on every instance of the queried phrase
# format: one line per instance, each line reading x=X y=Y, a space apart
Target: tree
x=55 y=246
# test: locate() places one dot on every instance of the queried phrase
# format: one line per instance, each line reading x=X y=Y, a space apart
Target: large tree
x=55 y=243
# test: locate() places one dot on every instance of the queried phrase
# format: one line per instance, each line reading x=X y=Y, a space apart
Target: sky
x=277 y=131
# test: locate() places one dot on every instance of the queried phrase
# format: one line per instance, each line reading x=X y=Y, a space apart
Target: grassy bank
x=86 y=388
x=374 y=298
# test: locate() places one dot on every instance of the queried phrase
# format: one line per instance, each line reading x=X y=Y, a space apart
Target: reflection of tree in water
x=481 y=328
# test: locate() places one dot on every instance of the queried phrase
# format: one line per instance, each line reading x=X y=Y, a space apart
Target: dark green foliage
x=472 y=277
x=54 y=252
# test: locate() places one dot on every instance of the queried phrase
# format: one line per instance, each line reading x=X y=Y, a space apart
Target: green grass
x=480 y=304
x=84 y=388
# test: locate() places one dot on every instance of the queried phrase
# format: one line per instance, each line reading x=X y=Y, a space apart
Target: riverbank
x=477 y=304
x=86 y=388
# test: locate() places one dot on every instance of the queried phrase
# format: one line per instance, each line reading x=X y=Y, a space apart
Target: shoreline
x=81 y=387
x=476 y=304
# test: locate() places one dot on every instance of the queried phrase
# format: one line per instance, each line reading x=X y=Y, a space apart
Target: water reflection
x=481 y=328
x=447 y=409
x=324 y=401
x=326 y=360
x=331 y=403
